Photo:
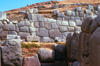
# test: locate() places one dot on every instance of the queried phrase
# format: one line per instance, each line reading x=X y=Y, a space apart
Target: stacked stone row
x=51 y=29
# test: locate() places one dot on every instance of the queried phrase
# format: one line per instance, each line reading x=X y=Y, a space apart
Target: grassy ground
x=31 y=48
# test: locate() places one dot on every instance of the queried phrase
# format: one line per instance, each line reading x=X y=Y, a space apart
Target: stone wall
x=84 y=46
x=39 y=28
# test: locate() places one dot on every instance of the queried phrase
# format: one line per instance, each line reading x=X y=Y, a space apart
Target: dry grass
x=31 y=48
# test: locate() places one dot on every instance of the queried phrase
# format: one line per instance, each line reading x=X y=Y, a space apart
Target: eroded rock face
x=94 y=48
x=11 y=53
x=86 y=24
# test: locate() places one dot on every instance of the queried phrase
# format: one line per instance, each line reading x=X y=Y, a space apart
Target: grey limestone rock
x=8 y=27
x=71 y=29
x=58 y=22
x=60 y=14
x=24 y=29
x=68 y=12
x=32 y=29
x=41 y=24
x=54 y=33
x=54 y=25
x=46 y=55
x=21 y=23
x=11 y=53
x=43 y=32
x=63 y=28
x=79 y=9
x=31 y=61
x=40 y=18
x=47 y=25
x=36 y=24
x=65 y=23
x=24 y=35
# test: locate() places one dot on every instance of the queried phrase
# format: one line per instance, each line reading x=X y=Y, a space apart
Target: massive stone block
x=21 y=23
x=36 y=24
x=31 y=61
x=54 y=33
x=63 y=29
x=74 y=46
x=32 y=29
x=42 y=32
x=87 y=11
x=3 y=34
x=94 y=48
x=65 y=23
x=13 y=37
x=27 y=23
x=60 y=52
x=79 y=9
x=72 y=24
x=8 y=27
x=60 y=14
x=54 y=25
x=12 y=32
x=68 y=12
x=86 y=24
x=40 y=18
x=24 y=29
x=71 y=29
x=24 y=35
x=78 y=23
x=41 y=24
x=46 y=55
x=67 y=18
x=11 y=53
x=58 y=22
x=47 y=25
x=51 y=20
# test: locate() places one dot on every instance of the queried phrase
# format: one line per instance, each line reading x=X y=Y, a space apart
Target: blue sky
x=6 y=5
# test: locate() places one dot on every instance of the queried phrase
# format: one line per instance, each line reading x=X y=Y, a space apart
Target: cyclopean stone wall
x=39 y=28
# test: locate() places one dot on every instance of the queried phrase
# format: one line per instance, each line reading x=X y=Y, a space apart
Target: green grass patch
x=30 y=45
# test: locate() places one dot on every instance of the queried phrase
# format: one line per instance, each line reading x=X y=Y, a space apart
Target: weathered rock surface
x=86 y=24
x=46 y=55
x=94 y=48
x=54 y=33
x=11 y=53
x=31 y=61
x=60 y=52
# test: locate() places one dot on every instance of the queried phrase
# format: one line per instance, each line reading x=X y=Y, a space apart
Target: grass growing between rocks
x=31 y=48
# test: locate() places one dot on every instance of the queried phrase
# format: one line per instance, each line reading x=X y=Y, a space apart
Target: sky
x=6 y=5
